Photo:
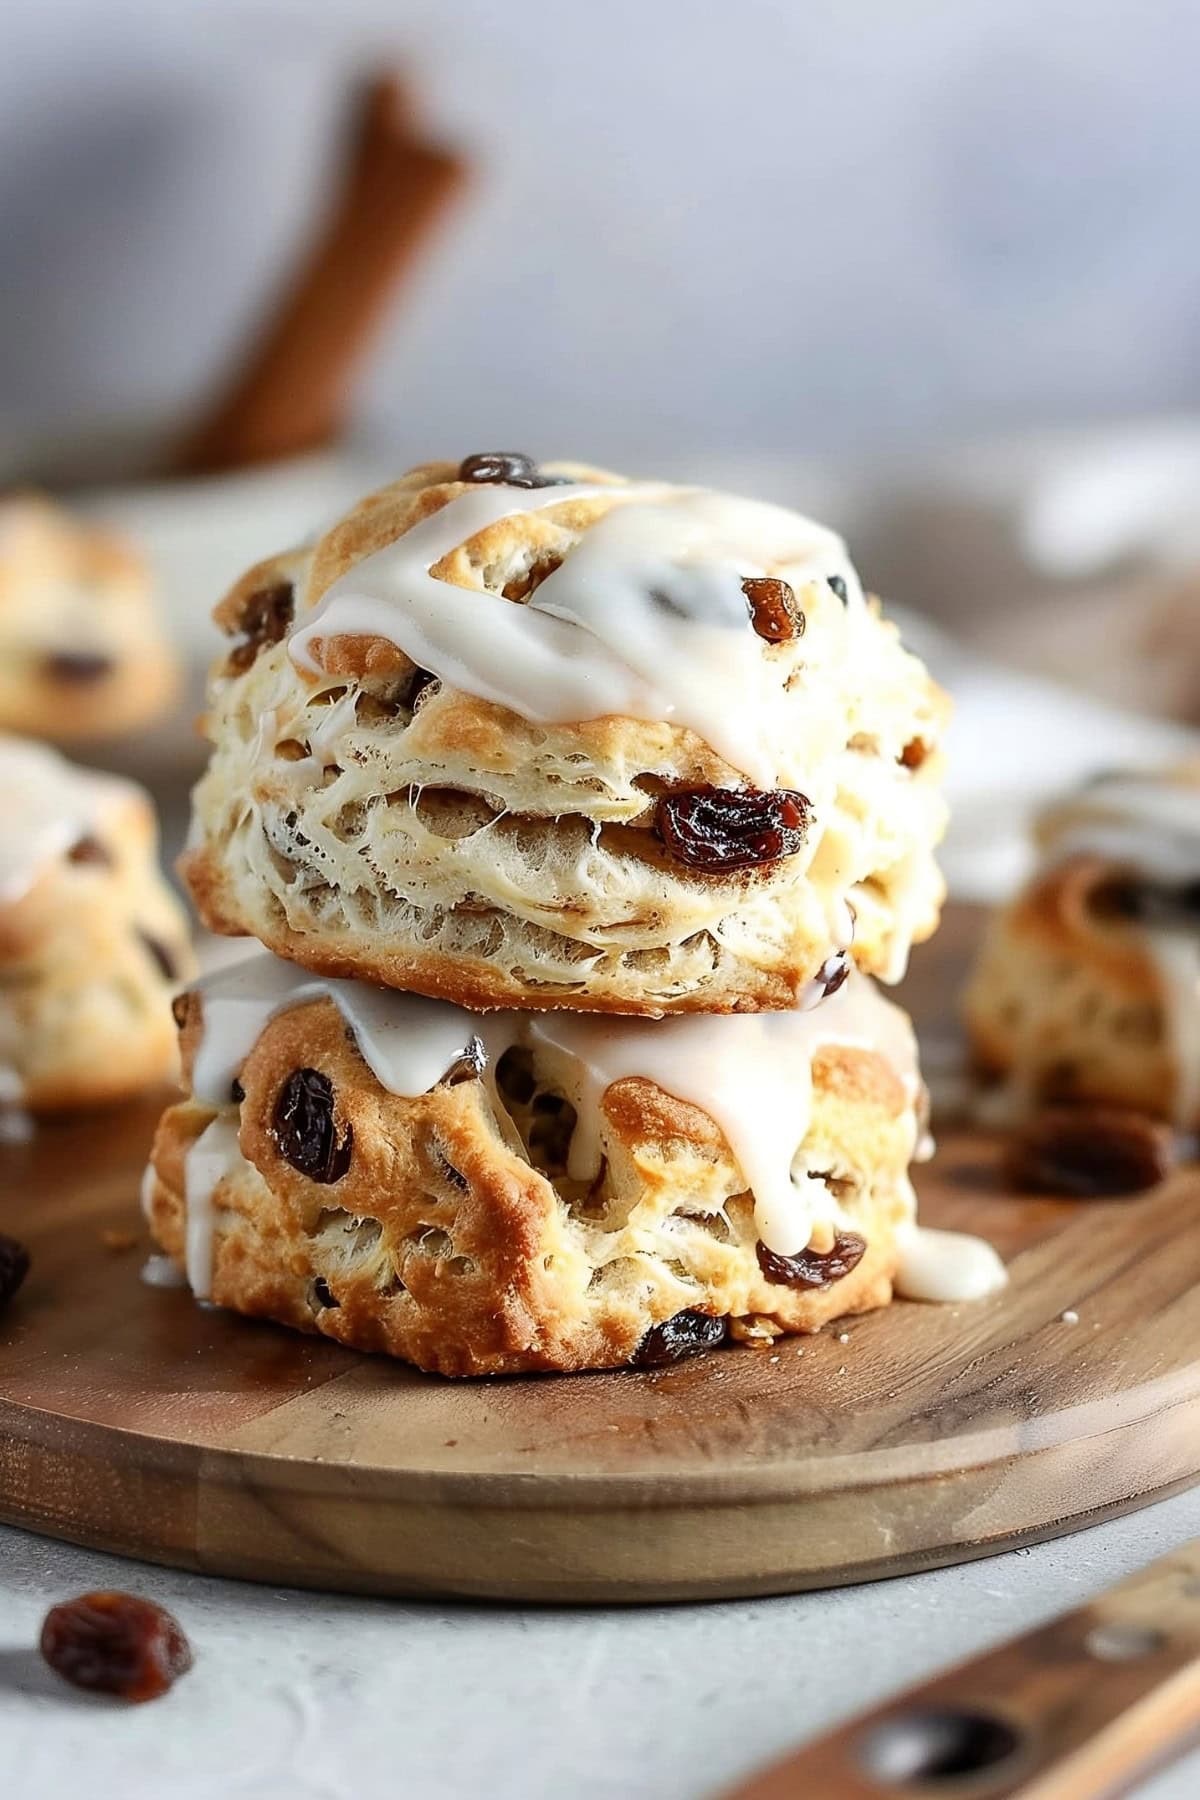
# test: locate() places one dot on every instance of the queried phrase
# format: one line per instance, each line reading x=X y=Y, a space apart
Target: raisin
x=507 y=468
x=266 y=618
x=89 y=849
x=1089 y=1152
x=14 y=1267
x=116 y=1644
x=687 y=1334
x=237 y=1092
x=773 y=610
x=839 y=587
x=732 y=828
x=913 y=754
x=812 y=1268
x=79 y=666
x=160 y=955
x=1147 y=903
x=304 y=1130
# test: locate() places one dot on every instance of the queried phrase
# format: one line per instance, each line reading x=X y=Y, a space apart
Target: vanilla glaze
x=645 y=617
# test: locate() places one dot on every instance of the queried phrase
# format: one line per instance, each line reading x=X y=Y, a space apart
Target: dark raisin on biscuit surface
x=721 y=829
x=78 y=666
x=773 y=609
x=687 y=1334
x=304 y=1128
x=812 y=1268
x=507 y=468
x=265 y=619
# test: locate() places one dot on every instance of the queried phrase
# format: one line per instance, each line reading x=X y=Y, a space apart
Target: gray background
x=778 y=226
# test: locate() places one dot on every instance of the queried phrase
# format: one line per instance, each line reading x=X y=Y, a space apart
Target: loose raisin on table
x=719 y=829
x=304 y=1130
x=81 y=666
x=14 y=1267
x=507 y=468
x=812 y=1268
x=118 y=1644
x=266 y=619
x=687 y=1334
x=773 y=609
x=1089 y=1152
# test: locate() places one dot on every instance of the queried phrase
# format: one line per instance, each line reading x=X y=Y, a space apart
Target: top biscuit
x=542 y=737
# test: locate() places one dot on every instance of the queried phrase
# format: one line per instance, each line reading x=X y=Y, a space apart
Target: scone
x=545 y=738
x=92 y=942
x=81 y=652
x=505 y=1192
x=1088 y=984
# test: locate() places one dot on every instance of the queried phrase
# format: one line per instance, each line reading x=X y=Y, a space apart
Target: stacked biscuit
x=574 y=815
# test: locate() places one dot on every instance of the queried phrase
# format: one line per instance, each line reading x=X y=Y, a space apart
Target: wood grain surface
x=132 y=1420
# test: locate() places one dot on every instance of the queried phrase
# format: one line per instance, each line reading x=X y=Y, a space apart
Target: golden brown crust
x=442 y=1243
x=371 y=821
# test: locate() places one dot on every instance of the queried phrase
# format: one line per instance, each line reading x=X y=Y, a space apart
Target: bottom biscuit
x=537 y=1205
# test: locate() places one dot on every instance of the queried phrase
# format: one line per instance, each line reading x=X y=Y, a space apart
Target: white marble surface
x=311 y=1697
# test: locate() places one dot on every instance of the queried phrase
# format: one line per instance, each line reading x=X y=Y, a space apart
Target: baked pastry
x=92 y=942
x=547 y=738
x=1088 y=984
x=515 y=1191
x=81 y=652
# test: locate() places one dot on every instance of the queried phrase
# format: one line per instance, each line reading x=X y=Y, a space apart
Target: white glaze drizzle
x=1148 y=823
x=947 y=1266
x=46 y=804
x=750 y=1072
x=645 y=617
x=215 y=1154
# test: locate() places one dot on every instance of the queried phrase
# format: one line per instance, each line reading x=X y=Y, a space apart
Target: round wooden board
x=132 y=1420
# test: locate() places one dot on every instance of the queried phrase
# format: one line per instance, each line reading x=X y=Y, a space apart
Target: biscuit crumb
x=1070 y=1317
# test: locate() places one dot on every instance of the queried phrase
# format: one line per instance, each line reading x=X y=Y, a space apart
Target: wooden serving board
x=132 y=1420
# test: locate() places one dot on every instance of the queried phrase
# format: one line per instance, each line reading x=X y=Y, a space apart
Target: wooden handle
x=294 y=392
x=1072 y=1711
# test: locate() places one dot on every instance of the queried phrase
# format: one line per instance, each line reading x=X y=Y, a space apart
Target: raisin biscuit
x=545 y=738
